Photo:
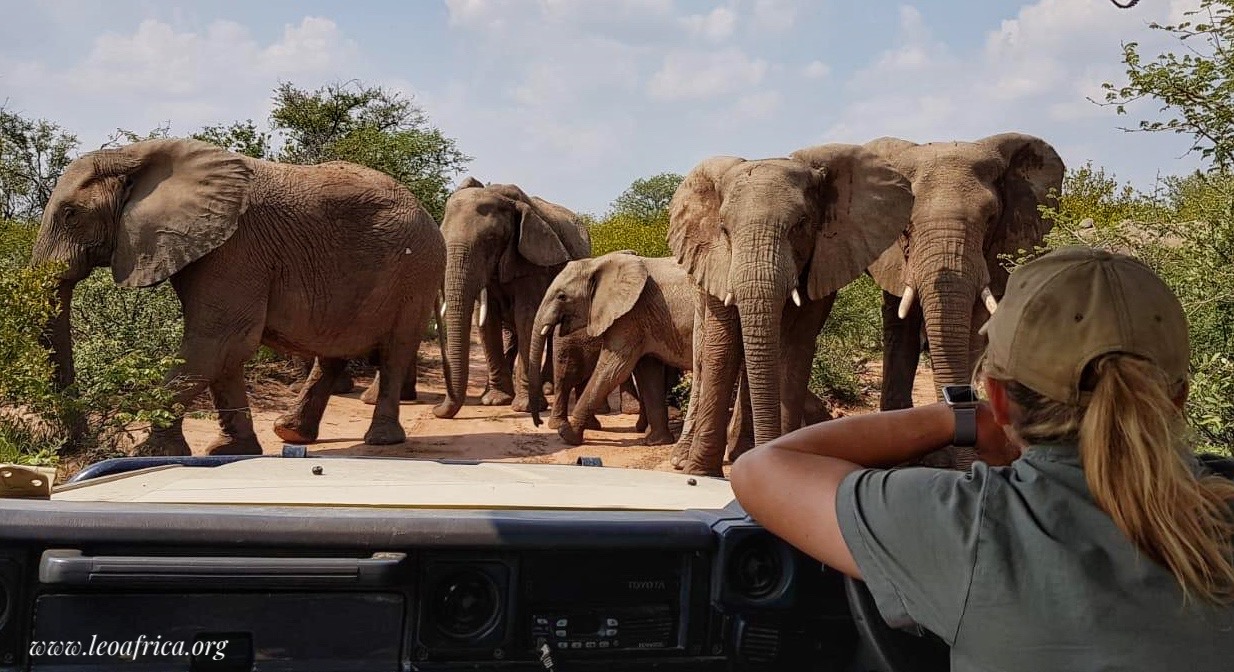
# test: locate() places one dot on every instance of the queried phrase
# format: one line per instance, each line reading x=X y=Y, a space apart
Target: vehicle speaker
x=12 y=606
x=464 y=608
x=755 y=571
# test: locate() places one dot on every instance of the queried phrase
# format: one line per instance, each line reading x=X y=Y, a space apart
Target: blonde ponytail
x=1138 y=461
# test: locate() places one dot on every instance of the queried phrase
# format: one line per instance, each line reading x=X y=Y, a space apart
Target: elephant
x=503 y=248
x=574 y=360
x=974 y=201
x=768 y=243
x=332 y=261
x=642 y=310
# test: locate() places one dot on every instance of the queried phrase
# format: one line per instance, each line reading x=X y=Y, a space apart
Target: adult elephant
x=974 y=202
x=331 y=261
x=642 y=310
x=769 y=243
x=503 y=248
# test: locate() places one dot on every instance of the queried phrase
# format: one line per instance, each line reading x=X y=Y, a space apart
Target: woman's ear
x=996 y=394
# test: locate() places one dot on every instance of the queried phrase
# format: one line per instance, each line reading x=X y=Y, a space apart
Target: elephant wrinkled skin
x=503 y=248
x=769 y=243
x=331 y=261
x=974 y=201
x=642 y=310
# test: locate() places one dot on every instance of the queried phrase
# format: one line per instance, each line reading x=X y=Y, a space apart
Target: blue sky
x=574 y=99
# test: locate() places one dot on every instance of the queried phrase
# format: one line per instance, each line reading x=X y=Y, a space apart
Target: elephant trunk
x=462 y=287
x=541 y=329
x=57 y=337
x=947 y=306
x=762 y=290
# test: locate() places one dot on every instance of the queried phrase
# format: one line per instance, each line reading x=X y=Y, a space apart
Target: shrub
x=850 y=338
x=1185 y=232
x=647 y=237
x=124 y=343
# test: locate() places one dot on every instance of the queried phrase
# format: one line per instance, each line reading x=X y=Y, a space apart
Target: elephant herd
x=336 y=261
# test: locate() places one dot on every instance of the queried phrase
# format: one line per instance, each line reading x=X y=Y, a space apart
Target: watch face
x=959 y=394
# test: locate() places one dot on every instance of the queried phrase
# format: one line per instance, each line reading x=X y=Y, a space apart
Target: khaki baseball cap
x=1067 y=307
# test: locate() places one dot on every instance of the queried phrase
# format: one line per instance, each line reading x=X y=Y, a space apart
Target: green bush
x=647 y=237
x=1185 y=232
x=124 y=343
x=851 y=337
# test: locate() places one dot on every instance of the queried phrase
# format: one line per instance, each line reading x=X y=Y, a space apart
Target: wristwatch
x=963 y=401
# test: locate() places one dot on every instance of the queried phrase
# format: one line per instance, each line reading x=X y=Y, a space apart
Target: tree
x=369 y=126
x=33 y=153
x=242 y=137
x=1196 y=88
x=647 y=199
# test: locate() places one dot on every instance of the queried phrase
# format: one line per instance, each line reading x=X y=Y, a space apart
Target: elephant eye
x=561 y=296
x=67 y=212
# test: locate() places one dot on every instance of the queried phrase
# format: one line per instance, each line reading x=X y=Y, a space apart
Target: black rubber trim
x=66 y=522
x=122 y=465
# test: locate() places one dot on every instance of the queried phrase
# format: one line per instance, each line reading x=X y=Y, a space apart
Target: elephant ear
x=1034 y=168
x=616 y=284
x=184 y=200
x=570 y=229
x=694 y=232
x=469 y=183
x=865 y=205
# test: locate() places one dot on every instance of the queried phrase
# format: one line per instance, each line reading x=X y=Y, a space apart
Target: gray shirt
x=1018 y=569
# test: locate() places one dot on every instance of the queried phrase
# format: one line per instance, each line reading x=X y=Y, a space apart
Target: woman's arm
x=789 y=484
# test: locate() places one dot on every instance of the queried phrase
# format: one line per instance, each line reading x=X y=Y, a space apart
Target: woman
x=1088 y=537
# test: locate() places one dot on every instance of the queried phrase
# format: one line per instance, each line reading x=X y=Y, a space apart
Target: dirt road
x=477 y=432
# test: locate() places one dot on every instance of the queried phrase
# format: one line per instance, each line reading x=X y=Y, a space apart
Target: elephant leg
x=301 y=423
x=610 y=369
x=236 y=435
x=630 y=399
x=800 y=340
x=408 y=391
x=500 y=388
x=169 y=440
x=901 y=353
x=304 y=365
x=524 y=320
x=397 y=363
x=681 y=451
x=649 y=372
x=719 y=360
x=741 y=425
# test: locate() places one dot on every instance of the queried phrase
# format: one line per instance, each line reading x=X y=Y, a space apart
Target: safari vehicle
x=299 y=562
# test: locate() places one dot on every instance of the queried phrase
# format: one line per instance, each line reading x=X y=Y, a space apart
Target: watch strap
x=965 y=426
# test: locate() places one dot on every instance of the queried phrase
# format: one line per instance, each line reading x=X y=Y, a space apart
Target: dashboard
x=138 y=586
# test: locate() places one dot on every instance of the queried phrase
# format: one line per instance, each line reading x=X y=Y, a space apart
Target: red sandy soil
x=477 y=432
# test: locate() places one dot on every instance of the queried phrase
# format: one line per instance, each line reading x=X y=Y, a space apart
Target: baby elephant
x=642 y=310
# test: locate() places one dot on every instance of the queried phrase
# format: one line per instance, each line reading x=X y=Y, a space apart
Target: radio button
x=562 y=622
x=610 y=622
x=591 y=645
x=540 y=620
x=576 y=645
x=603 y=644
x=610 y=633
x=561 y=633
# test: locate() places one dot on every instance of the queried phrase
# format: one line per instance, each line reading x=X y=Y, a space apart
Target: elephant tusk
x=483 y=305
x=728 y=299
x=991 y=304
x=906 y=303
x=796 y=297
x=545 y=329
x=443 y=308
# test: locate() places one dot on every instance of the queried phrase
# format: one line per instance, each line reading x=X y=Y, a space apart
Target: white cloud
x=717 y=26
x=816 y=70
x=774 y=15
x=758 y=105
x=699 y=75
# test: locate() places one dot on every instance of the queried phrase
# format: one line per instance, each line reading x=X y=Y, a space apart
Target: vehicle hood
x=405 y=483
